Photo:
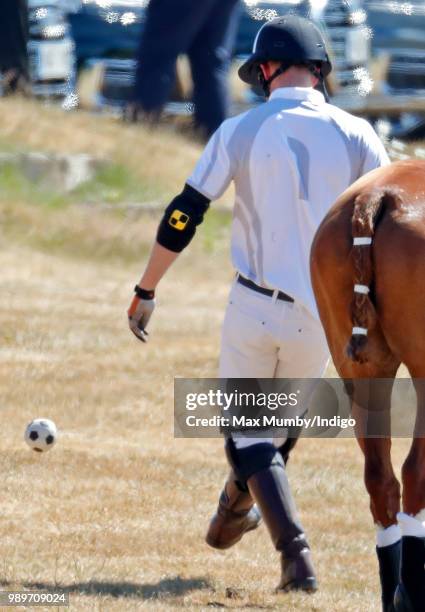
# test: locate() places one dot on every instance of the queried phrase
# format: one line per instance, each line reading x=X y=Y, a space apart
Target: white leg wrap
x=388 y=536
x=421 y=516
x=412 y=525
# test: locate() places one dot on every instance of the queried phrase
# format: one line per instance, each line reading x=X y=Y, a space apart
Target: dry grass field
x=116 y=514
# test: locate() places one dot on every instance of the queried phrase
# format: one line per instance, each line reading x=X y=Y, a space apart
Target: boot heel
x=402 y=602
x=270 y=489
x=309 y=585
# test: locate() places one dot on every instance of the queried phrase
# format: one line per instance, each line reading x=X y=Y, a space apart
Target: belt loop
x=274 y=296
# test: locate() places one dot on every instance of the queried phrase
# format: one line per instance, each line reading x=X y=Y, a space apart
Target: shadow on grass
x=168 y=587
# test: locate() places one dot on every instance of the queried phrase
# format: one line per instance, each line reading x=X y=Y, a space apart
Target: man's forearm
x=176 y=230
x=159 y=262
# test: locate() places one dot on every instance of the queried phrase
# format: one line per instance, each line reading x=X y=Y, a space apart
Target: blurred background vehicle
x=399 y=43
x=378 y=52
x=51 y=48
x=107 y=29
x=107 y=34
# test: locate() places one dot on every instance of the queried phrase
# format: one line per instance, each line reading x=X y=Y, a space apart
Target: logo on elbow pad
x=178 y=220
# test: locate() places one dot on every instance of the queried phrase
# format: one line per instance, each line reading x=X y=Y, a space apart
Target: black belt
x=251 y=285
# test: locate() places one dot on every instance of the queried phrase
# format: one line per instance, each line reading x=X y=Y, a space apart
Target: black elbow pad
x=178 y=225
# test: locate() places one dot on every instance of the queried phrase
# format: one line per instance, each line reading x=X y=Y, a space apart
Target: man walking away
x=289 y=159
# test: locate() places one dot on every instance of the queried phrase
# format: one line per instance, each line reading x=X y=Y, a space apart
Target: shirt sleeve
x=374 y=154
x=214 y=170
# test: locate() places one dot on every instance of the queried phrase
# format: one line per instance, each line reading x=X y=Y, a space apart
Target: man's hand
x=143 y=303
x=139 y=313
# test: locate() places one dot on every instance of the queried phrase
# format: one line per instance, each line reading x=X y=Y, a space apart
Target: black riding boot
x=389 y=572
x=410 y=594
x=270 y=489
x=236 y=515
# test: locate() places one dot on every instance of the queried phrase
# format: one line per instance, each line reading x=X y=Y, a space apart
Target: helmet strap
x=313 y=67
x=265 y=83
x=315 y=70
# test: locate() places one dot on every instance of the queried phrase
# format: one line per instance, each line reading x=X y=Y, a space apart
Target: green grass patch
x=15 y=186
x=116 y=184
x=112 y=184
x=72 y=225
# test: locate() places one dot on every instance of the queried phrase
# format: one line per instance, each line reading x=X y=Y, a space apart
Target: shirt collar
x=298 y=93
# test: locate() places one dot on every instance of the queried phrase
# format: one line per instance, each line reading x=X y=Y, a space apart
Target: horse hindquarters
x=337 y=269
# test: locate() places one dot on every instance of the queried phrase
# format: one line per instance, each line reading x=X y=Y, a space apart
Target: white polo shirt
x=290 y=158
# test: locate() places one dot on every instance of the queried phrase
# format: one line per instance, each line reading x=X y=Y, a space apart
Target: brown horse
x=368 y=275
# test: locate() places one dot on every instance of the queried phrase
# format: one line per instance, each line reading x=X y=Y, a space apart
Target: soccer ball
x=41 y=435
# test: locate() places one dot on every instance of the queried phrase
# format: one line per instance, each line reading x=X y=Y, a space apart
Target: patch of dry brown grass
x=116 y=513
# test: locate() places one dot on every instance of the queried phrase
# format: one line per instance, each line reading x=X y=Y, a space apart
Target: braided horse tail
x=368 y=211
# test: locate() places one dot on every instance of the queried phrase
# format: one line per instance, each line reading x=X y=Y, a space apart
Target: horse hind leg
x=410 y=596
x=413 y=470
x=411 y=592
x=384 y=491
x=380 y=480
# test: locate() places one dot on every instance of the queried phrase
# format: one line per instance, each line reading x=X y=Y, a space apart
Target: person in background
x=13 y=45
x=206 y=32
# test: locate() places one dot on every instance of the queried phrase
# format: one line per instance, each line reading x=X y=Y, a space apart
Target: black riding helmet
x=291 y=40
